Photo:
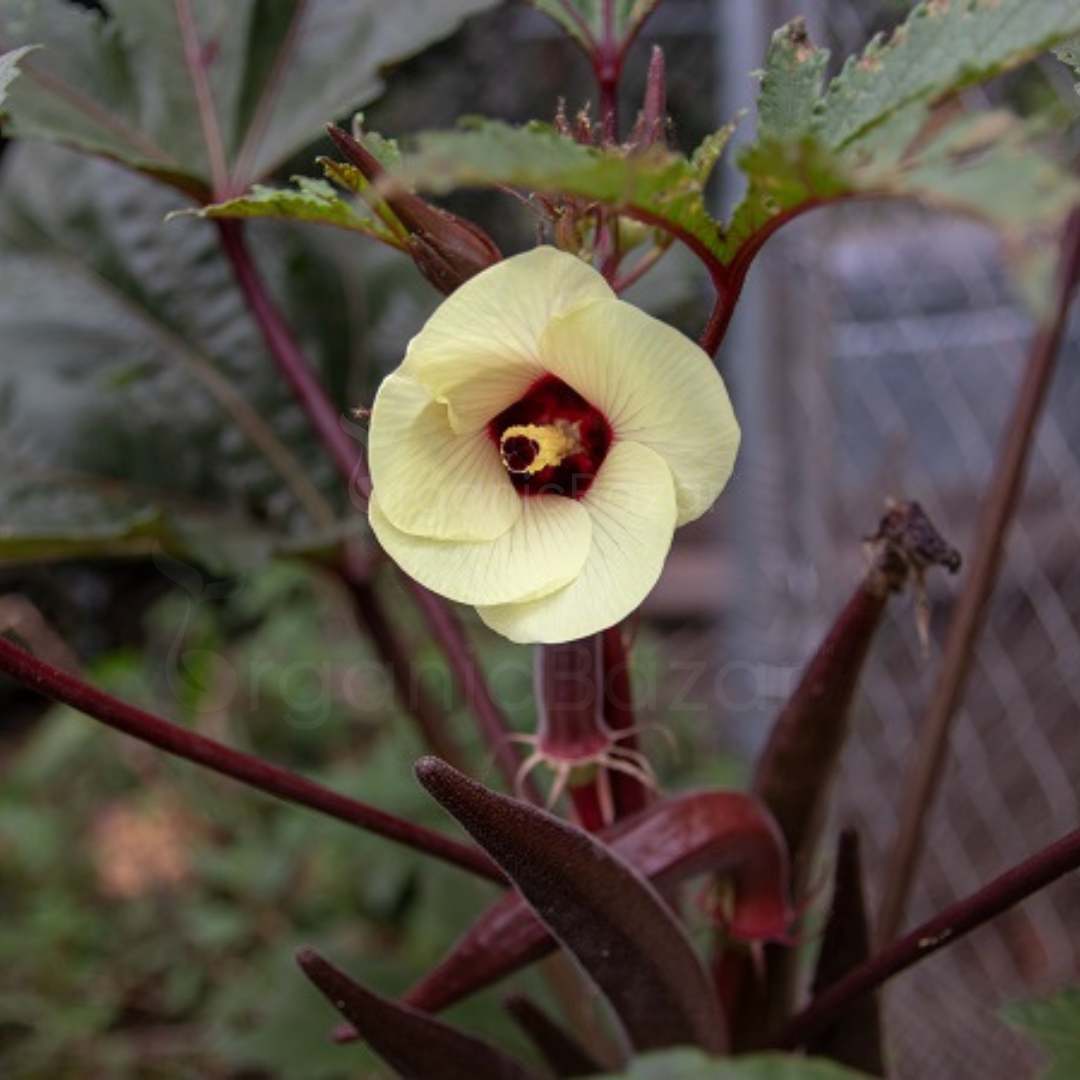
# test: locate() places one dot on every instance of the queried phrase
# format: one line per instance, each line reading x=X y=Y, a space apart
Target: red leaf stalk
x=350 y=463
x=179 y=741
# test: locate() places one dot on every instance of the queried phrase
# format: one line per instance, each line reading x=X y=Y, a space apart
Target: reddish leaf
x=853 y=1037
x=562 y=1052
x=412 y=1042
x=608 y=916
x=714 y=831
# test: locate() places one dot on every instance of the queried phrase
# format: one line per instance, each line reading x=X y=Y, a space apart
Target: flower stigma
x=528 y=448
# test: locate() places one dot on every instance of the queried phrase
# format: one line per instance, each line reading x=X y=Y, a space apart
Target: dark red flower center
x=552 y=441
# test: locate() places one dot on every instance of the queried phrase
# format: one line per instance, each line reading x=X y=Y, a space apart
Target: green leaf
x=942 y=46
x=660 y=186
x=140 y=407
x=584 y=19
x=319 y=202
x=694 y=1065
x=870 y=131
x=1054 y=1023
x=41 y=523
x=790 y=84
x=312 y=201
x=9 y=68
x=125 y=87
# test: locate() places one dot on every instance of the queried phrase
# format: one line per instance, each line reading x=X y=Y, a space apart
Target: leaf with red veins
x=411 y=1042
x=601 y=910
x=671 y=841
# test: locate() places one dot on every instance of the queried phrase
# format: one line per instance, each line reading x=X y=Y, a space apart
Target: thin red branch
x=291 y=362
x=639 y=269
x=58 y=685
x=440 y=620
x=998 y=509
x=715 y=267
x=730 y=278
x=952 y=923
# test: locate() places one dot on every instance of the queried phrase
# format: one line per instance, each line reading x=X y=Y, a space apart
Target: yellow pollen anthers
x=529 y=448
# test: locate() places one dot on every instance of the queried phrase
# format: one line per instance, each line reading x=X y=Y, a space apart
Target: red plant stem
x=430 y=720
x=1006 y=485
x=291 y=361
x=729 y=279
x=947 y=926
x=58 y=685
x=350 y=463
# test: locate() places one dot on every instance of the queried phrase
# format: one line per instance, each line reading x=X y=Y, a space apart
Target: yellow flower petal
x=656 y=387
x=632 y=507
x=430 y=481
x=480 y=350
x=544 y=549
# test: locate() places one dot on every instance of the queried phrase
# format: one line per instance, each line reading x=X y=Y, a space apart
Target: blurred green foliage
x=151 y=910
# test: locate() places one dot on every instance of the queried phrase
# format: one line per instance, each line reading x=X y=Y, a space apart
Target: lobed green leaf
x=867 y=133
x=659 y=186
x=942 y=46
x=313 y=201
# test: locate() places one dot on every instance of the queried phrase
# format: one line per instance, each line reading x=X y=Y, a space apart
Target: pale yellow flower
x=539 y=444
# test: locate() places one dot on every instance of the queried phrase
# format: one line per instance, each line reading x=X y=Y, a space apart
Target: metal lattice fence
x=892 y=373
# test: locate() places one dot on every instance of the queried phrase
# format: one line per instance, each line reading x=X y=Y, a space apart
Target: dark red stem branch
x=58 y=685
x=350 y=463
x=952 y=923
x=729 y=279
x=291 y=362
x=997 y=513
